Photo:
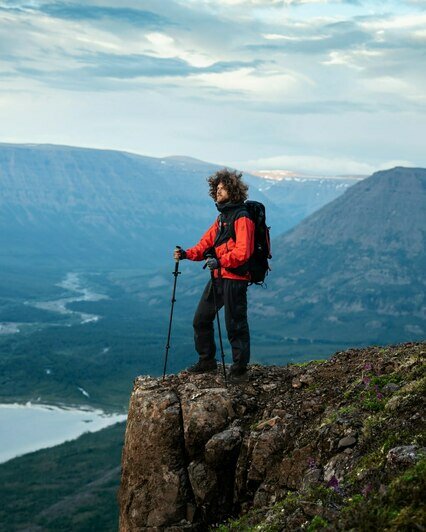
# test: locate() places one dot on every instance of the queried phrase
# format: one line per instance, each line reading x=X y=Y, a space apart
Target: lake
x=27 y=428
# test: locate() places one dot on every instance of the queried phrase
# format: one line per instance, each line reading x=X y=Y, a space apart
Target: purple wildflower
x=368 y=366
x=333 y=483
x=366 y=380
x=379 y=396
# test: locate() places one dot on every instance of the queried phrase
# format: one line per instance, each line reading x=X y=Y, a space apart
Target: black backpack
x=257 y=264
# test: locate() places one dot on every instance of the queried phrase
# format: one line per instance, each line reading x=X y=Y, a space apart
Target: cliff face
x=297 y=446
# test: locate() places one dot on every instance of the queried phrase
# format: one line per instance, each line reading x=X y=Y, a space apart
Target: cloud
x=394 y=86
x=338 y=37
x=317 y=165
x=278 y=3
x=317 y=107
x=399 y=22
x=89 y=12
x=103 y=71
x=259 y=84
x=70 y=11
x=132 y=66
x=313 y=75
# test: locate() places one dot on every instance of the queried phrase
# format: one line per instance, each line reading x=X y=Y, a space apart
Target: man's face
x=222 y=195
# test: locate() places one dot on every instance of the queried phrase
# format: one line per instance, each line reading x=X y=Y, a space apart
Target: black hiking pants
x=231 y=294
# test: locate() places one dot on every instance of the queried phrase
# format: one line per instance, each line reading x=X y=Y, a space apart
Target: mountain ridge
x=90 y=207
x=355 y=267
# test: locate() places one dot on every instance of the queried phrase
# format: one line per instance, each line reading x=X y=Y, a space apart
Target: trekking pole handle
x=208 y=256
x=177 y=248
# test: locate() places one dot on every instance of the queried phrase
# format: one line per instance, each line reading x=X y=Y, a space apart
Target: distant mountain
x=86 y=208
x=302 y=194
x=82 y=207
x=355 y=269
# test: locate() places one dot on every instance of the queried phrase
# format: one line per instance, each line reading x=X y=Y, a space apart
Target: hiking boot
x=203 y=366
x=237 y=374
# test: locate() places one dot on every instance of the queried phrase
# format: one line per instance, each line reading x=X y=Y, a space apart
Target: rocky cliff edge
x=332 y=445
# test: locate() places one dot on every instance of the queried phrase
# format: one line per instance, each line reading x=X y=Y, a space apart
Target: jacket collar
x=227 y=207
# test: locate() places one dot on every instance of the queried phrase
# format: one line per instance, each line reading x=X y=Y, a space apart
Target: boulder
x=204 y=413
x=293 y=467
x=223 y=447
x=405 y=455
x=203 y=482
x=155 y=489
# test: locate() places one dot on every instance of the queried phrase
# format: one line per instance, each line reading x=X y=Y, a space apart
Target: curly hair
x=231 y=180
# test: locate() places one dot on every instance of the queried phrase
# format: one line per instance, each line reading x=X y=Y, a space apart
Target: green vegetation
x=309 y=362
x=400 y=508
x=382 y=380
x=69 y=487
x=317 y=523
x=347 y=410
x=275 y=517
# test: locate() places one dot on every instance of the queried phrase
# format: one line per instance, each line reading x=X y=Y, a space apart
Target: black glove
x=179 y=254
x=212 y=263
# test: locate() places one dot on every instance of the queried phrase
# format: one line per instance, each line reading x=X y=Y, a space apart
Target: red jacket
x=229 y=252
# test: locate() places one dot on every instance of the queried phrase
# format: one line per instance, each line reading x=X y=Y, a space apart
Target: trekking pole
x=218 y=321
x=175 y=273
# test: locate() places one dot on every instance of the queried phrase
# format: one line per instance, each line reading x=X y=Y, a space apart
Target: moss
x=317 y=523
x=329 y=419
x=390 y=378
x=274 y=519
x=323 y=494
x=347 y=410
x=371 y=461
x=354 y=500
x=245 y=522
x=373 y=404
x=402 y=398
x=308 y=363
x=413 y=387
x=373 y=423
x=402 y=437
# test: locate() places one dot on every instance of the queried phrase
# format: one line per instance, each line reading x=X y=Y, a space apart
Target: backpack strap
x=219 y=230
x=235 y=216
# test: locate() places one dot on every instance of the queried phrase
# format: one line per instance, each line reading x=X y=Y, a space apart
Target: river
x=71 y=283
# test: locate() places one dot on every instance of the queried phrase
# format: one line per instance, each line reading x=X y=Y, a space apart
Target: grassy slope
x=69 y=487
x=374 y=494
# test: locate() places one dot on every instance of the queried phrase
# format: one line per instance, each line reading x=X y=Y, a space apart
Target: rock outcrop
x=294 y=446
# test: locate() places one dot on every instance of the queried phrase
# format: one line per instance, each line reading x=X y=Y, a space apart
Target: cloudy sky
x=321 y=86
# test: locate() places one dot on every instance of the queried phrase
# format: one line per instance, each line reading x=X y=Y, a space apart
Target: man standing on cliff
x=230 y=242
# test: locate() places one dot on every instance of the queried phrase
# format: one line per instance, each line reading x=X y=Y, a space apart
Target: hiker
x=227 y=258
